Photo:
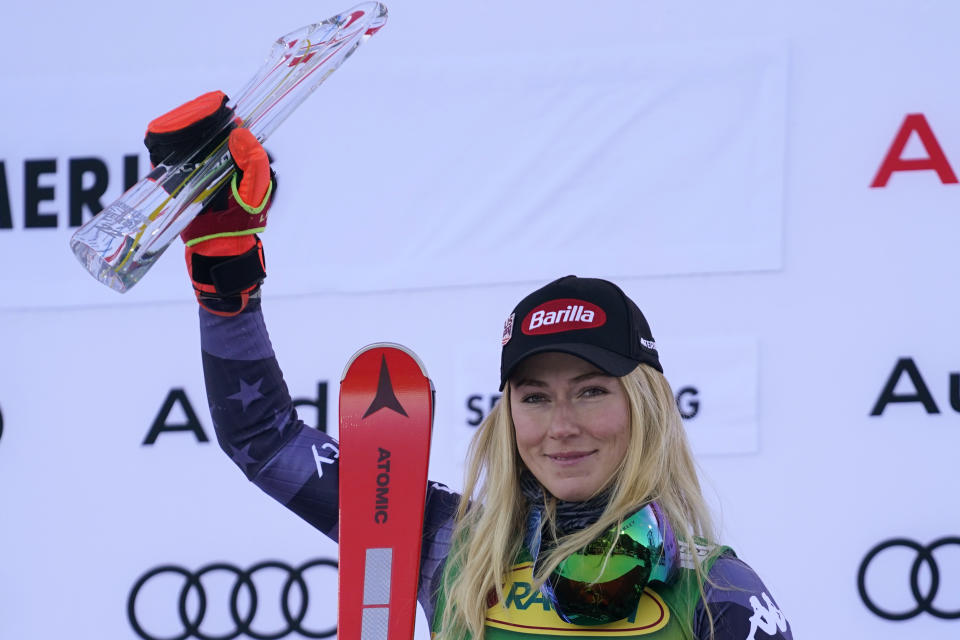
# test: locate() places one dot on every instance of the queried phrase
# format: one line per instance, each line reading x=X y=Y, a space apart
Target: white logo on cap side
x=507 y=330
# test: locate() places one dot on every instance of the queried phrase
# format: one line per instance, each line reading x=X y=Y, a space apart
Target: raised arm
x=256 y=423
x=253 y=415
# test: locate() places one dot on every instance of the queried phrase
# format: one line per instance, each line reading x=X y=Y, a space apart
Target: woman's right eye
x=533 y=398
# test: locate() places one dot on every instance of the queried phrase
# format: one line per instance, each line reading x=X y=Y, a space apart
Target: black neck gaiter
x=571 y=516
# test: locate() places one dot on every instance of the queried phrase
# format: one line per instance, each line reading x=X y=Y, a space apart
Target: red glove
x=224 y=255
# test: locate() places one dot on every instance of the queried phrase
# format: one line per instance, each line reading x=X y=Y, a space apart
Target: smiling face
x=572 y=423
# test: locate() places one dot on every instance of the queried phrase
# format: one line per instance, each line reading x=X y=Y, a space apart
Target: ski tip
x=386 y=345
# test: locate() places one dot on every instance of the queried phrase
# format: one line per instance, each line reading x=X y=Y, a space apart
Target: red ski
x=386 y=411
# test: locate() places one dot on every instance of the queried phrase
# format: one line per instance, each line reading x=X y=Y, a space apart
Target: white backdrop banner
x=424 y=171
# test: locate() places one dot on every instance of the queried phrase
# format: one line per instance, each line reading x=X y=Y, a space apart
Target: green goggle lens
x=604 y=581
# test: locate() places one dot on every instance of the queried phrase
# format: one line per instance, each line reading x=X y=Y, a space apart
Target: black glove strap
x=232 y=275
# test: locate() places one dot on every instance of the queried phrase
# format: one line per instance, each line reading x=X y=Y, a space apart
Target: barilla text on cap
x=564 y=314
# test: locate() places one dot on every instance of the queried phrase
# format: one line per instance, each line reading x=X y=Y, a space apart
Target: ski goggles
x=604 y=581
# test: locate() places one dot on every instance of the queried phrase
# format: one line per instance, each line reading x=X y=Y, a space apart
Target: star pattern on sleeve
x=242 y=456
x=249 y=392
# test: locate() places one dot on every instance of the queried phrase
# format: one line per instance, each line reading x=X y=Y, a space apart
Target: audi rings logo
x=924 y=601
x=241 y=606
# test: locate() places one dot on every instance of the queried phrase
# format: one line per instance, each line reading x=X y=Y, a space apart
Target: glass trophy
x=121 y=243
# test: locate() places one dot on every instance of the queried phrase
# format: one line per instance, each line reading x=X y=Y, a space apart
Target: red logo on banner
x=935 y=160
x=564 y=314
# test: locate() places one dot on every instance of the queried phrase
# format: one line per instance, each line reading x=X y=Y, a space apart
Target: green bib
x=665 y=612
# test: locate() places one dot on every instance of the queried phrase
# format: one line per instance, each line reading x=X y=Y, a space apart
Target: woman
x=582 y=513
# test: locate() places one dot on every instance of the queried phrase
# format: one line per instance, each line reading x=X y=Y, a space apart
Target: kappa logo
x=765 y=618
x=564 y=314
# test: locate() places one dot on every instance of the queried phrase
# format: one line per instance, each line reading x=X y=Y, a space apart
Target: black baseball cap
x=585 y=317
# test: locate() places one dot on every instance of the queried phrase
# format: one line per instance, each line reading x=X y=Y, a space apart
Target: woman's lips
x=569 y=458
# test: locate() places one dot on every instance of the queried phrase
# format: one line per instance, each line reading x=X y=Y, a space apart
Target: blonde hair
x=492 y=512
